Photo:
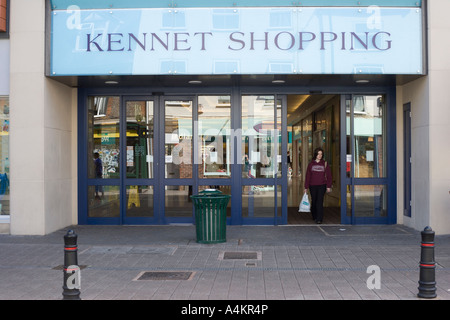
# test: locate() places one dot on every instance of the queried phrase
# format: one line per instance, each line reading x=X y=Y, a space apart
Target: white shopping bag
x=304 y=204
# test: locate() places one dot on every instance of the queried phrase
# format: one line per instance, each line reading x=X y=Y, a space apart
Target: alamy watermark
x=374 y=280
x=74 y=279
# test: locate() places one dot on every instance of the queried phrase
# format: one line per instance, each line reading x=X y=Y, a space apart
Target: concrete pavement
x=317 y=262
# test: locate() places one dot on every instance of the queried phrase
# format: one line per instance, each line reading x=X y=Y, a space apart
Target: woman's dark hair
x=316 y=152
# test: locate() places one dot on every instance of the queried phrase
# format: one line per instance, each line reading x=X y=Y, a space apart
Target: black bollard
x=71 y=285
x=427 y=283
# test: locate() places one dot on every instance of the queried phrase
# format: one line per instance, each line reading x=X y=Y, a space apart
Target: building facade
x=118 y=113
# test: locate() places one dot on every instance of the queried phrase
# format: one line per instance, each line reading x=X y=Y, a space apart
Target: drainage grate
x=240 y=255
x=165 y=275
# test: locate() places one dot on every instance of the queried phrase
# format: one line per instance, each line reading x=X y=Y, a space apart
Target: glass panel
x=4 y=156
x=276 y=158
x=224 y=190
x=369 y=135
x=279 y=203
x=214 y=136
x=296 y=154
x=178 y=202
x=103 y=137
x=140 y=201
x=370 y=201
x=322 y=132
x=307 y=142
x=258 y=201
x=103 y=201
x=178 y=139
x=258 y=137
x=140 y=139
x=349 y=201
x=348 y=144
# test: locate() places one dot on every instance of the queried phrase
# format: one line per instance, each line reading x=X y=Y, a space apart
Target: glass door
x=146 y=155
x=214 y=145
x=102 y=160
x=177 y=156
x=139 y=161
x=364 y=160
x=262 y=183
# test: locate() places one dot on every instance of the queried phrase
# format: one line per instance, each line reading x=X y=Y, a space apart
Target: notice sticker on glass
x=130 y=156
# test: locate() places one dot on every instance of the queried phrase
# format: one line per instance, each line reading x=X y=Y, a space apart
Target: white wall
x=430 y=107
x=439 y=114
x=41 y=139
x=417 y=93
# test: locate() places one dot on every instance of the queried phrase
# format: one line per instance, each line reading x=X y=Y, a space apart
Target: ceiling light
x=195 y=82
x=362 y=81
x=278 y=79
x=111 y=82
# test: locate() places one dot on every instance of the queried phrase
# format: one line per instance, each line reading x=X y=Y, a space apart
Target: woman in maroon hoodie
x=318 y=180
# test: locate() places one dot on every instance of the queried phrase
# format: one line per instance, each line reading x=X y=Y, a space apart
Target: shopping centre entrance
x=144 y=155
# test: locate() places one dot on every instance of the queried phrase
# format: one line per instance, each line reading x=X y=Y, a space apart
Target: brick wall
x=2 y=15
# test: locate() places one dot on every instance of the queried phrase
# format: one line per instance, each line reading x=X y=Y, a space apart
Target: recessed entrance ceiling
x=313 y=81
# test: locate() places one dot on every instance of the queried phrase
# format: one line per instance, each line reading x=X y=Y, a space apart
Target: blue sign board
x=277 y=40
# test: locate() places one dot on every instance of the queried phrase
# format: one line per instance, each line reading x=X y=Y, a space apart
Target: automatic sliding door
x=261 y=159
x=214 y=144
x=103 y=159
x=177 y=152
x=365 y=160
x=139 y=161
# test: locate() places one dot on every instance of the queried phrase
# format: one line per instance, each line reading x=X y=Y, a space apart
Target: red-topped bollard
x=71 y=285
x=427 y=283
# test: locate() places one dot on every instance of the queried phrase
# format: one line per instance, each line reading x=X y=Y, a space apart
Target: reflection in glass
x=259 y=138
x=258 y=201
x=369 y=137
x=139 y=161
x=103 y=201
x=178 y=139
x=214 y=136
x=322 y=132
x=4 y=156
x=277 y=140
x=370 y=201
x=349 y=201
x=306 y=151
x=279 y=203
x=296 y=154
x=178 y=202
x=140 y=201
x=103 y=137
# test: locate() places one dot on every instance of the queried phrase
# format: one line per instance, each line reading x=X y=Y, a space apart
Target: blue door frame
x=390 y=180
x=236 y=182
x=155 y=181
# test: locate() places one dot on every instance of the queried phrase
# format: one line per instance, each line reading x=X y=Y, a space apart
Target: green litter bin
x=210 y=191
x=211 y=216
